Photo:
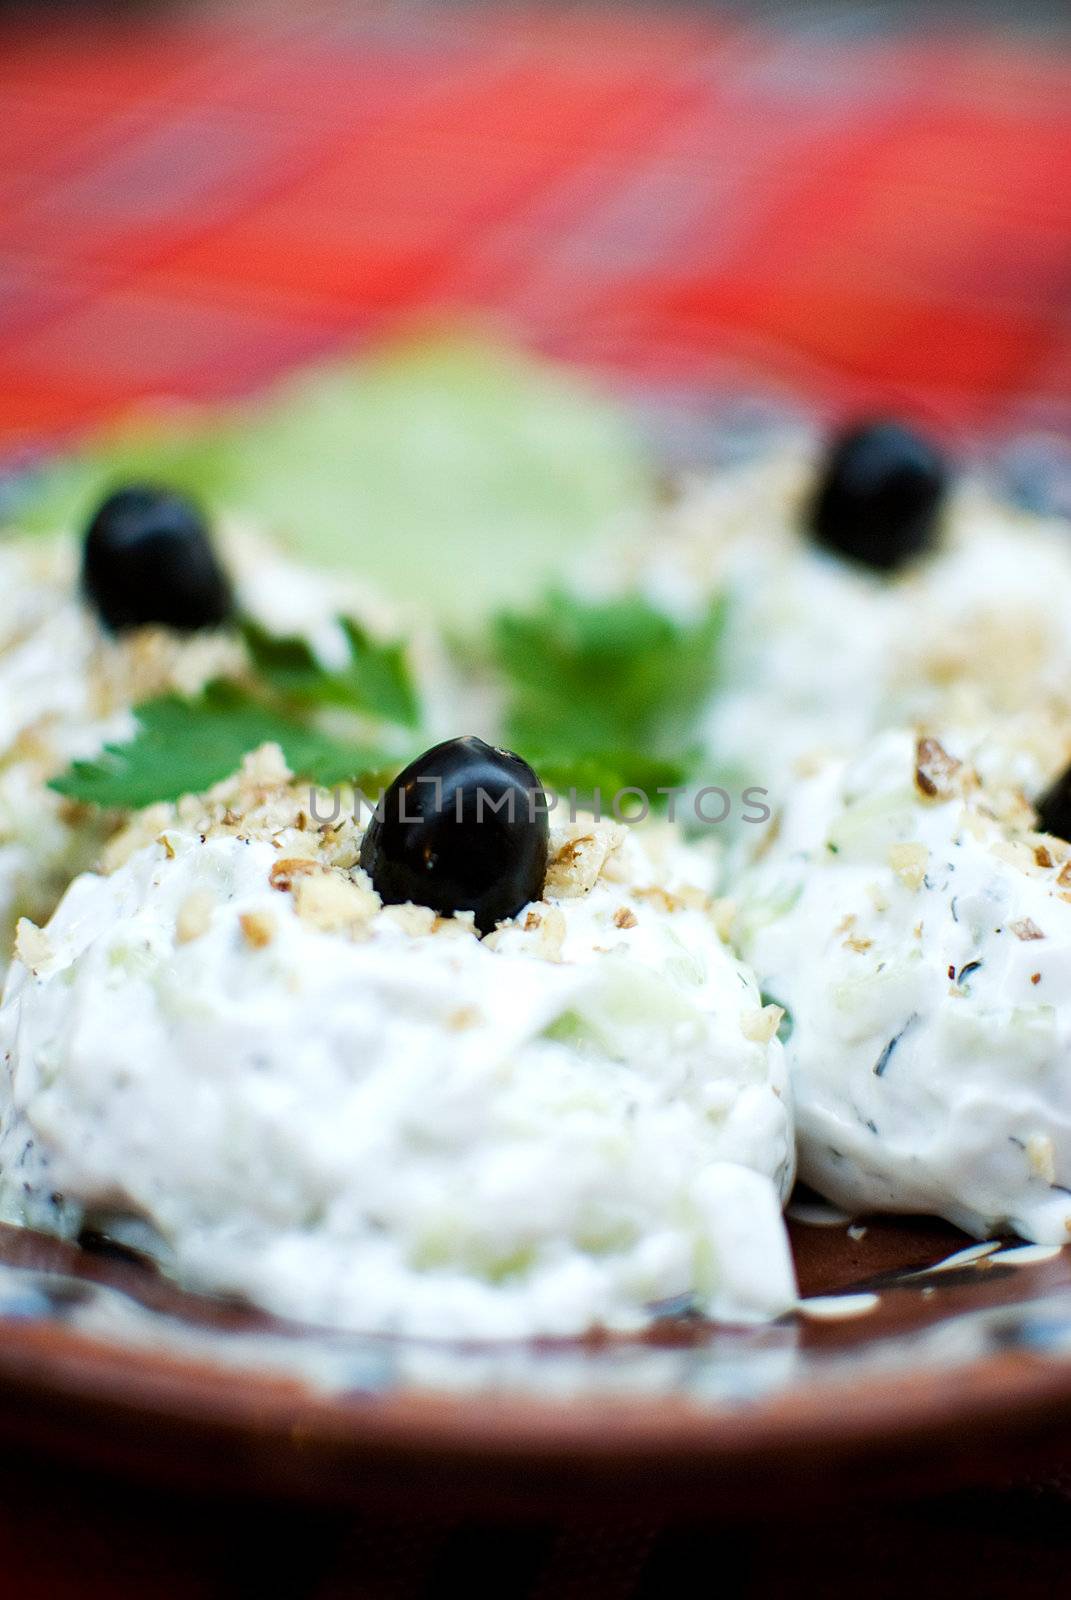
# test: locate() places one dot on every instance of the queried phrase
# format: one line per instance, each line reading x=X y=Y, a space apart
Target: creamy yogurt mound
x=820 y=652
x=919 y=933
x=229 y=1051
x=67 y=686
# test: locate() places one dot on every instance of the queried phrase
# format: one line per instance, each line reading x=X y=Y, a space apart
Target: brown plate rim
x=151 y=1411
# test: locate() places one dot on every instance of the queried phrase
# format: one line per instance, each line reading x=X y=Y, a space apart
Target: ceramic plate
x=918 y=1359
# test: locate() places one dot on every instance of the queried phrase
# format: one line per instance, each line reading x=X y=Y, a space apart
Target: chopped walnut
x=263 y=768
x=1047 y=845
x=552 y=934
x=624 y=917
x=761 y=1025
x=1017 y=853
x=151 y=660
x=578 y=855
x=258 y=928
x=284 y=873
x=1026 y=928
x=32 y=945
x=909 y=861
x=411 y=919
x=657 y=896
x=259 y=802
x=541 y=934
x=334 y=901
x=462 y=925
x=935 y=770
x=194 y=916
x=685 y=897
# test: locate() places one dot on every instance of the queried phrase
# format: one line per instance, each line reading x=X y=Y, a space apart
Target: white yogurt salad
x=918 y=931
x=867 y=592
x=468 y=1066
x=76 y=657
x=66 y=687
x=362 y=1114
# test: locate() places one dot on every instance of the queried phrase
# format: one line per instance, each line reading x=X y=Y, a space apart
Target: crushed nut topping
x=32 y=945
x=761 y=1025
x=258 y=928
x=552 y=936
x=283 y=873
x=194 y=916
x=1017 y=853
x=685 y=897
x=413 y=920
x=1026 y=928
x=909 y=861
x=935 y=770
x=578 y=855
x=334 y=902
x=624 y=917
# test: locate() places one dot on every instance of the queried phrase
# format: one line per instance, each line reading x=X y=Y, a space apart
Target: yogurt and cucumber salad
x=380 y=965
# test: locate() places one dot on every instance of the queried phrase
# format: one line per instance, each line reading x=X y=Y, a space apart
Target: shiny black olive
x=148 y=557
x=1054 y=807
x=879 y=495
x=463 y=828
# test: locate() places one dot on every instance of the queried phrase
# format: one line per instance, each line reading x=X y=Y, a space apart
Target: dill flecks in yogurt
x=927 y=966
x=363 y=1114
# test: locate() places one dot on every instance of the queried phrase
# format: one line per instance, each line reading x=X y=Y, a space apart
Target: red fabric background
x=192 y=201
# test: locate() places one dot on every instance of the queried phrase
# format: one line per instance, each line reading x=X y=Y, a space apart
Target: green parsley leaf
x=376 y=679
x=607 y=772
x=183 y=746
x=607 y=693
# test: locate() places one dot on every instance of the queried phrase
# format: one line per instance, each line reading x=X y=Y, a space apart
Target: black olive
x=148 y=557
x=879 y=496
x=1054 y=807
x=463 y=828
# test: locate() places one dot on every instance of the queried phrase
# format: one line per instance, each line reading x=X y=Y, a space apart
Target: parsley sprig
x=184 y=745
x=603 y=694
x=375 y=679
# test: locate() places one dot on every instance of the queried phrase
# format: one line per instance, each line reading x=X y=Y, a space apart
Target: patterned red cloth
x=192 y=201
